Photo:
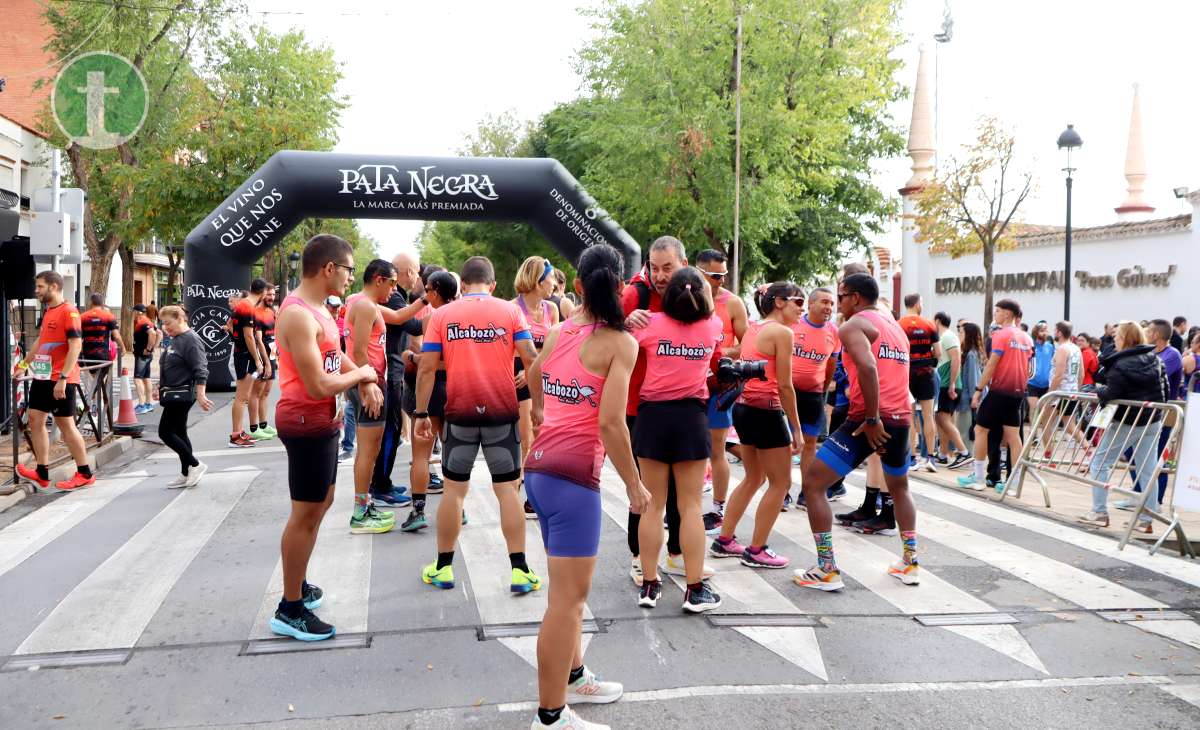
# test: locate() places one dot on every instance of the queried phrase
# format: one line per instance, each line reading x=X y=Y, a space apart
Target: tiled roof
x=1030 y=235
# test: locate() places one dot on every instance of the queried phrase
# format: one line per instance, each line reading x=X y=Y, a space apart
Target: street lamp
x=294 y=262
x=1068 y=140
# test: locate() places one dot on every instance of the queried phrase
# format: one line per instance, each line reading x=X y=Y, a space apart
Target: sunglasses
x=349 y=269
x=716 y=275
x=794 y=299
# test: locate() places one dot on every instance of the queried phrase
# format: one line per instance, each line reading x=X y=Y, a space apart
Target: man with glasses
x=732 y=312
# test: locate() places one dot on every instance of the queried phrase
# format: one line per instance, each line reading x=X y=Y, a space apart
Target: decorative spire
x=1135 y=165
x=920 y=131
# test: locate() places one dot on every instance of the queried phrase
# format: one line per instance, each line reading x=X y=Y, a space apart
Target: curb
x=97 y=458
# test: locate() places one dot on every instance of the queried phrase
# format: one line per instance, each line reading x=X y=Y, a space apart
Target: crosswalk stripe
x=112 y=607
x=38 y=529
x=1065 y=581
x=1169 y=566
x=1189 y=693
x=796 y=644
x=340 y=565
x=866 y=562
x=249 y=451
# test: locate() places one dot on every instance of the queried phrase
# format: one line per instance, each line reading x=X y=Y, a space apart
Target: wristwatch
x=871 y=420
x=420 y=414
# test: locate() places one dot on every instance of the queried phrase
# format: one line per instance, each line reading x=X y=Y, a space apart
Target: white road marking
x=38 y=529
x=1189 y=693
x=249 y=451
x=112 y=606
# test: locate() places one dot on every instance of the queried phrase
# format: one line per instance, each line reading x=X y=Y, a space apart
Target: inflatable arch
x=293 y=185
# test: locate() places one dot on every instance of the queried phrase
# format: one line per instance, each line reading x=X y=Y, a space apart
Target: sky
x=420 y=77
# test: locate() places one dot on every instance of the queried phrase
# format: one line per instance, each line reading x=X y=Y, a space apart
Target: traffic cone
x=127 y=423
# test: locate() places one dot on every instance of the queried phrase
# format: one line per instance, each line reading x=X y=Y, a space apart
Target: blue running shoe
x=394 y=498
x=836 y=492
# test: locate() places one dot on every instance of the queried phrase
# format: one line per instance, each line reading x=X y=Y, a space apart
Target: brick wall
x=23 y=35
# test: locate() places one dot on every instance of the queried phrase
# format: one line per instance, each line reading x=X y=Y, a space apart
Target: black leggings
x=172 y=429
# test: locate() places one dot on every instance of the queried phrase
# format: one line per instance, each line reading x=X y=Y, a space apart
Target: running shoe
x=148 y=408
x=942 y=461
x=700 y=600
x=394 y=498
x=345 y=455
x=673 y=565
x=30 y=475
x=371 y=521
x=862 y=514
x=998 y=486
x=194 y=474
x=568 y=720
x=590 y=689
x=836 y=492
x=240 y=441
x=819 y=579
x=524 y=581
x=269 y=429
x=635 y=571
x=435 y=485
x=440 y=577
x=795 y=459
x=787 y=502
x=800 y=502
x=971 y=482
x=178 y=482
x=648 y=595
x=961 y=460
x=765 y=558
x=77 y=481
x=730 y=549
x=876 y=526
x=305 y=627
x=530 y=512
x=908 y=574
x=415 y=521
x=929 y=466
x=1127 y=505
x=1098 y=519
x=712 y=523
x=259 y=434
x=312 y=596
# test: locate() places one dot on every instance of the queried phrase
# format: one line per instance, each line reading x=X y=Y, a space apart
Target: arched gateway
x=294 y=185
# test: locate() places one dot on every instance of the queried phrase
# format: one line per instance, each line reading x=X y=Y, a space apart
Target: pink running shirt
x=477 y=336
x=538 y=330
x=568 y=445
x=678 y=357
x=759 y=393
x=812 y=346
x=297 y=413
x=375 y=345
x=890 y=350
x=1015 y=348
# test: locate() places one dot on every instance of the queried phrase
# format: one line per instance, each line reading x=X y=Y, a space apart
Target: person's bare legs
x=902 y=502
x=71 y=437
x=808 y=451
x=525 y=428
x=369 y=439
x=740 y=499
x=512 y=515
x=949 y=433
x=720 y=465
x=777 y=465
x=558 y=644
x=650 y=526
x=39 y=436
x=929 y=428
x=296 y=545
x=241 y=402
x=418 y=471
x=689 y=483
x=449 y=514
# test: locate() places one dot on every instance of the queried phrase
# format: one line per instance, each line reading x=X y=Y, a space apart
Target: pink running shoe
x=731 y=549
x=765 y=558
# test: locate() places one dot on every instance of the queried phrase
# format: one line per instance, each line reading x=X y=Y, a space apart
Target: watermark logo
x=100 y=100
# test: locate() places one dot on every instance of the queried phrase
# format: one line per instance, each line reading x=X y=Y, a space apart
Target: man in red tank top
x=732 y=312
x=312 y=374
x=875 y=355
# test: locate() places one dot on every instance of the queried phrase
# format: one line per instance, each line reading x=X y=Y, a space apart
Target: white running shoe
x=673 y=565
x=194 y=474
x=568 y=720
x=929 y=466
x=635 y=571
x=592 y=690
x=178 y=482
x=909 y=575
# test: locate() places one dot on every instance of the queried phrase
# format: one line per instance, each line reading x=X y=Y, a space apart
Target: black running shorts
x=999 y=409
x=437 y=399
x=41 y=398
x=243 y=365
x=922 y=385
x=810 y=407
x=946 y=404
x=761 y=428
x=312 y=466
x=501 y=446
x=522 y=392
x=672 y=431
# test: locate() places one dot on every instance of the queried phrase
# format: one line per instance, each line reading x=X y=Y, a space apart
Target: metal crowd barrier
x=1066 y=435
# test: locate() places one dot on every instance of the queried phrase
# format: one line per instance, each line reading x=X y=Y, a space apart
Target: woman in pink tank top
x=681 y=345
x=767 y=426
x=579 y=384
x=534 y=283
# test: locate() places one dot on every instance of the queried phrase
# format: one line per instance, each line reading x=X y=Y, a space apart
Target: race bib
x=41 y=368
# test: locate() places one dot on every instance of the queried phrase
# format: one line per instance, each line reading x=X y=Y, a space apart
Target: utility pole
x=737 y=153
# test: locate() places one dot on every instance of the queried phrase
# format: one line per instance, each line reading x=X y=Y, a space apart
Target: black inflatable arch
x=294 y=185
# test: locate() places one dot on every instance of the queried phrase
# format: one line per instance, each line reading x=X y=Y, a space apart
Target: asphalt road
x=130 y=605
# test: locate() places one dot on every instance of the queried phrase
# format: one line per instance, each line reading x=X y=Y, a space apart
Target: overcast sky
x=420 y=76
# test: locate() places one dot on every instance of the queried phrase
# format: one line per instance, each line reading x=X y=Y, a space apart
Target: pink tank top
x=759 y=393
x=568 y=444
x=375 y=346
x=721 y=305
x=890 y=350
x=297 y=413
x=678 y=357
x=538 y=330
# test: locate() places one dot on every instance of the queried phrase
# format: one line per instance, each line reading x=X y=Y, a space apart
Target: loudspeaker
x=10 y=222
x=17 y=269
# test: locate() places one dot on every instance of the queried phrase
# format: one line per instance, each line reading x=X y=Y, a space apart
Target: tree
x=971 y=205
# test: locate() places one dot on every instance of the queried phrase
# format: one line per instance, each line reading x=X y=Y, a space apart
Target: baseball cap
x=333 y=301
x=139 y=307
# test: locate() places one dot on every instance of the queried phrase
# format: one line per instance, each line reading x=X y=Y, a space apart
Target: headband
x=546 y=272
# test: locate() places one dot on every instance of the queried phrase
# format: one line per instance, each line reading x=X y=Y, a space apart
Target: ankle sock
x=549 y=717
x=824 y=542
x=262 y=424
x=909 y=541
x=576 y=674
x=980 y=466
x=724 y=540
x=43 y=472
x=362 y=500
x=694 y=586
x=887 y=513
x=517 y=560
x=871 y=499
x=755 y=550
x=85 y=470
x=253 y=427
x=418 y=502
x=445 y=559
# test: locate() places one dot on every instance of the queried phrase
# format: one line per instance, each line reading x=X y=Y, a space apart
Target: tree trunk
x=127 y=271
x=989 y=252
x=172 y=278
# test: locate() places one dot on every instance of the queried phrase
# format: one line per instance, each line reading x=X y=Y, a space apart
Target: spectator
x=1158 y=335
x=1107 y=343
x=145 y=340
x=183 y=375
x=1179 y=338
x=949 y=371
x=973 y=355
x=1043 y=363
x=1131 y=373
x=1091 y=361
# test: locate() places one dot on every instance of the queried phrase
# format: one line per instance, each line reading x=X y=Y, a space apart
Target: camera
x=732 y=371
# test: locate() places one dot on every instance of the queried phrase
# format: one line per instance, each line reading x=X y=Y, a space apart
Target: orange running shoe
x=31 y=476
x=76 y=482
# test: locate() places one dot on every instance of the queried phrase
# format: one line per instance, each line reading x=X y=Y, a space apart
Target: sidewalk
x=1068 y=501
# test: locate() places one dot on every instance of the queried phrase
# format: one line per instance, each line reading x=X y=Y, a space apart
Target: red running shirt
x=922 y=334
x=375 y=345
x=59 y=324
x=242 y=317
x=97 y=326
x=568 y=444
x=721 y=305
x=477 y=336
x=890 y=350
x=759 y=393
x=297 y=413
x=678 y=357
x=1012 y=372
x=812 y=346
x=629 y=302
